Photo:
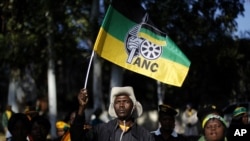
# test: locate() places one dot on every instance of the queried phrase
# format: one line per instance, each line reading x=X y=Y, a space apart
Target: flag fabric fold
x=152 y=34
x=129 y=42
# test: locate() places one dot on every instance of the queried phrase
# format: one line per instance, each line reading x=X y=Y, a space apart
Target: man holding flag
x=123 y=108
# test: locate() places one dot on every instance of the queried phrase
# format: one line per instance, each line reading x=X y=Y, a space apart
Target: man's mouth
x=121 y=111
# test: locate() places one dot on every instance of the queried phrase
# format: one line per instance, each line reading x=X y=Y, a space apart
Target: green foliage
x=27 y=26
x=27 y=29
x=201 y=28
x=204 y=31
x=195 y=23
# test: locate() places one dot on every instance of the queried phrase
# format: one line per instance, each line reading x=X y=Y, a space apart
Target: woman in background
x=214 y=128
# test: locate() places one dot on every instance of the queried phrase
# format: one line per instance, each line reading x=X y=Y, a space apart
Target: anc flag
x=127 y=41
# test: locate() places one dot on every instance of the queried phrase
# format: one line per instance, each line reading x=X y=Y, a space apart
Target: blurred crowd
x=207 y=123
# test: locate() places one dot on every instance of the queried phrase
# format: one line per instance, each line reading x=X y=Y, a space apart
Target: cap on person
x=213 y=116
x=62 y=125
x=128 y=90
x=166 y=109
x=238 y=111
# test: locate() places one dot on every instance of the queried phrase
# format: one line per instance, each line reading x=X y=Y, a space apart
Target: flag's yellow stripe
x=152 y=39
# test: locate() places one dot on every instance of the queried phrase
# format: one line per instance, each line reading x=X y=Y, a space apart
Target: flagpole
x=90 y=62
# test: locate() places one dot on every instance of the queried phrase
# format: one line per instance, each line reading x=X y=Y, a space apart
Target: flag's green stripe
x=116 y=24
x=172 y=52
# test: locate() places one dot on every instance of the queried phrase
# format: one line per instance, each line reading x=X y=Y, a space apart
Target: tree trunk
x=51 y=80
x=52 y=96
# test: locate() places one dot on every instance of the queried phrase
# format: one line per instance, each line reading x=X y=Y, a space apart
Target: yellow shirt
x=66 y=137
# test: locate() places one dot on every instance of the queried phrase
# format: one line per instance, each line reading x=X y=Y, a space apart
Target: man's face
x=123 y=106
x=167 y=122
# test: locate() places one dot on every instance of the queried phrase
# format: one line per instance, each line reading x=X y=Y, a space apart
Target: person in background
x=124 y=108
x=96 y=120
x=30 y=111
x=166 y=117
x=240 y=115
x=239 y=121
x=5 y=118
x=204 y=111
x=42 y=106
x=190 y=121
x=62 y=131
x=40 y=128
x=19 y=126
x=70 y=117
x=214 y=128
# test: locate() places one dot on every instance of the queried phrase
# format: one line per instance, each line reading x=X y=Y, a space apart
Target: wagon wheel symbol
x=149 y=50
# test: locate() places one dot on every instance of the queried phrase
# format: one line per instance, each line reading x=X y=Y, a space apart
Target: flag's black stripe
x=153 y=29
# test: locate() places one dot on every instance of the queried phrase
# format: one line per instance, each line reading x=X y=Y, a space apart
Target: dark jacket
x=105 y=131
x=173 y=137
